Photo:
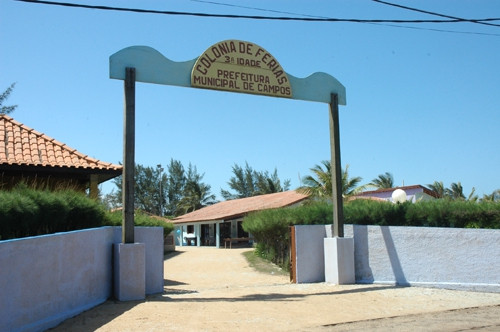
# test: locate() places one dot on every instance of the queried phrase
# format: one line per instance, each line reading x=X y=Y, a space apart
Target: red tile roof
x=239 y=207
x=21 y=145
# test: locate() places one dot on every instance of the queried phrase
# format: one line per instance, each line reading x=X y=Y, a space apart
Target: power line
x=378 y=24
x=436 y=30
x=255 y=8
x=435 y=14
x=307 y=19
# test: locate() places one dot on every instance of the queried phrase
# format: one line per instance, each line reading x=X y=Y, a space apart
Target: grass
x=261 y=265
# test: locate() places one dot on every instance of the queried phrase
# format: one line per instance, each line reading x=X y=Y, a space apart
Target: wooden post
x=338 y=206
x=128 y=181
x=94 y=186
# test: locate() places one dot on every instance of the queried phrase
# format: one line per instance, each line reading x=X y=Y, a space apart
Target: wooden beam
x=128 y=182
x=338 y=206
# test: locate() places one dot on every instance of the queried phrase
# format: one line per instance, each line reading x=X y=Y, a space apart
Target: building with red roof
x=214 y=224
x=29 y=156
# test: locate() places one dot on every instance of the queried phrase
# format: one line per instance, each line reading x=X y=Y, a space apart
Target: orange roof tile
x=21 y=145
x=239 y=207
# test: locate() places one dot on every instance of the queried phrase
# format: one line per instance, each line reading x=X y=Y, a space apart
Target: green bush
x=459 y=214
x=140 y=219
x=29 y=212
x=368 y=212
x=18 y=214
x=270 y=228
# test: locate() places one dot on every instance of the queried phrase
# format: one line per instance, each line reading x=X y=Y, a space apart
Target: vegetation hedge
x=270 y=228
x=141 y=219
x=29 y=212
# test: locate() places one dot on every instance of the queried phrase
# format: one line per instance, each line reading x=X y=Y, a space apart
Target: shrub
x=270 y=228
x=140 y=219
x=29 y=212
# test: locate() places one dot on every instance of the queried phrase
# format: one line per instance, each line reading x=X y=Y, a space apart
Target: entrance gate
x=230 y=65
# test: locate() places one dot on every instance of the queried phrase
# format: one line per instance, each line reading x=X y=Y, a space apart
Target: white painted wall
x=427 y=256
x=47 y=279
x=453 y=258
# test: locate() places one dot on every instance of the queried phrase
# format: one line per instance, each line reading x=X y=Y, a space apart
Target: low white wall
x=47 y=279
x=419 y=256
x=427 y=256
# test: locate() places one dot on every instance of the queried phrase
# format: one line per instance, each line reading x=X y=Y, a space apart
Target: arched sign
x=230 y=65
x=247 y=63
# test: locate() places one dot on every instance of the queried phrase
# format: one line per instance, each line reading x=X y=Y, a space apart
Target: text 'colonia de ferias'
x=240 y=66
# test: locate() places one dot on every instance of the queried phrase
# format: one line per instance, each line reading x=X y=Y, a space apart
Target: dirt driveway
x=208 y=289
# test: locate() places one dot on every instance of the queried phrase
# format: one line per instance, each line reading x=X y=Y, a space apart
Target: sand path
x=208 y=289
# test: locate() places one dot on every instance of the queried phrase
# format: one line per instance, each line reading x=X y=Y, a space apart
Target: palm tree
x=383 y=181
x=350 y=187
x=493 y=197
x=320 y=183
x=195 y=196
x=455 y=192
x=438 y=188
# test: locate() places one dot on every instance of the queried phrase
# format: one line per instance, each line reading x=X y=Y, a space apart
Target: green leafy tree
x=383 y=181
x=170 y=192
x=266 y=183
x=151 y=186
x=247 y=182
x=3 y=108
x=319 y=184
x=176 y=184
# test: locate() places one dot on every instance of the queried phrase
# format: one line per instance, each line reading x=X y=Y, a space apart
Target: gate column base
x=339 y=260
x=129 y=271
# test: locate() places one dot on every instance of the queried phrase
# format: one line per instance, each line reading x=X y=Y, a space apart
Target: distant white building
x=413 y=193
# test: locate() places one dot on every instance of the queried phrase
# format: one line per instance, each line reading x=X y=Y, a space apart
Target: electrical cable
x=378 y=24
x=310 y=19
x=435 y=14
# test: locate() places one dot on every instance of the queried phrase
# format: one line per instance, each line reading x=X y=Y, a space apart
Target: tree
x=438 y=188
x=383 y=181
x=266 y=183
x=150 y=188
x=247 y=182
x=7 y=109
x=320 y=183
x=196 y=194
x=165 y=193
x=176 y=183
x=493 y=197
x=456 y=192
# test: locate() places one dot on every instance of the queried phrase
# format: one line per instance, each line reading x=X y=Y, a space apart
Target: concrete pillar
x=129 y=271
x=339 y=260
x=217 y=235
x=197 y=232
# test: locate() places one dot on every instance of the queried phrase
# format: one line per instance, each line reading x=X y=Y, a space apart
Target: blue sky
x=421 y=104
